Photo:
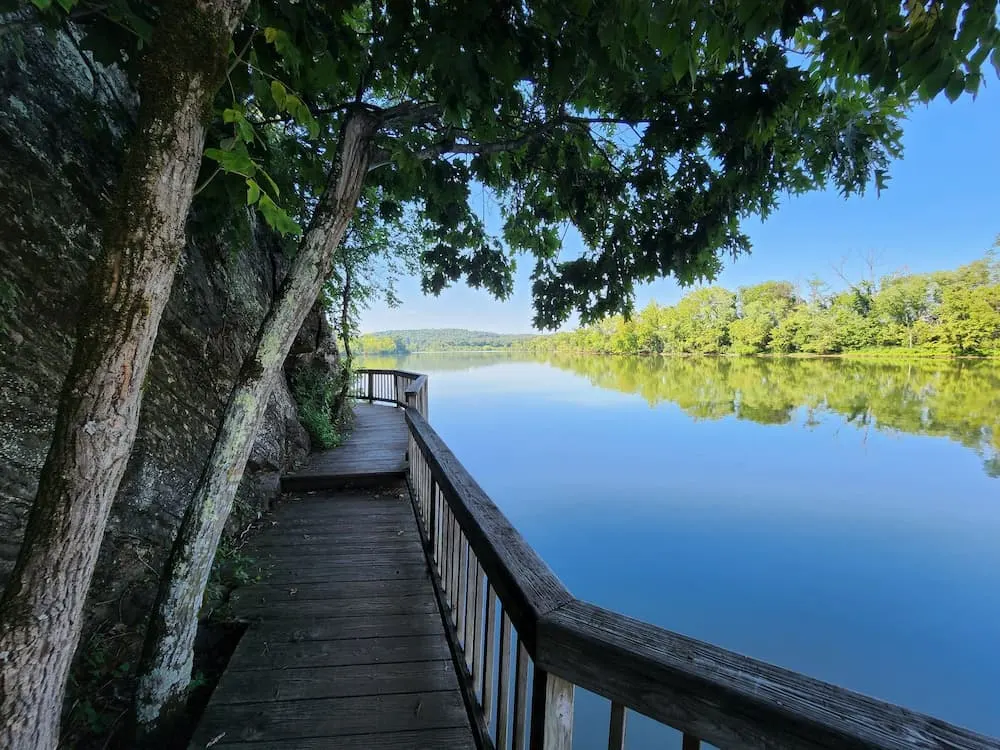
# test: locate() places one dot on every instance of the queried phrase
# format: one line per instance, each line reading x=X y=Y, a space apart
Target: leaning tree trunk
x=345 y=335
x=42 y=606
x=165 y=670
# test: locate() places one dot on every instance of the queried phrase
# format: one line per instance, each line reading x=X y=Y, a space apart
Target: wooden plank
x=390 y=556
x=428 y=739
x=616 y=729
x=727 y=699
x=256 y=653
x=335 y=682
x=283 y=597
x=334 y=717
x=525 y=584
x=286 y=573
x=551 y=712
x=411 y=604
x=333 y=628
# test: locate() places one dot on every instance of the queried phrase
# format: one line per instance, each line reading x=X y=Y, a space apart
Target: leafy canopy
x=650 y=127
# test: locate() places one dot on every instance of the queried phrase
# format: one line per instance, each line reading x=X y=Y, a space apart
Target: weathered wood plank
x=411 y=604
x=334 y=628
x=388 y=556
x=428 y=739
x=727 y=699
x=255 y=653
x=334 y=717
x=335 y=682
x=288 y=574
x=288 y=594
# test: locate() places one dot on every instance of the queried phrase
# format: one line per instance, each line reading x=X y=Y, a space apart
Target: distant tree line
x=436 y=340
x=946 y=312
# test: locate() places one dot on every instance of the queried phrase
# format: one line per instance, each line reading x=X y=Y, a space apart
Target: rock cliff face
x=63 y=121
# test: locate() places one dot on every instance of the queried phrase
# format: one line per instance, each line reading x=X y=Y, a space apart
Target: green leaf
x=42 y=4
x=279 y=93
x=237 y=161
x=67 y=5
x=277 y=218
x=231 y=115
x=955 y=86
x=679 y=63
x=253 y=192
x=271 y=183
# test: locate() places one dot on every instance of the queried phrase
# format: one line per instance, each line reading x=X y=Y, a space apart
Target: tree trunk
x=345 y=335
x=165 y=671
x=42 y=608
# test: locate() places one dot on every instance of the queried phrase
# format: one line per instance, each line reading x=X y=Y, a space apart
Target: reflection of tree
x=956 y=399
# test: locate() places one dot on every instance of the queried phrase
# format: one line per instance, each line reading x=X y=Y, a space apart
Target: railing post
x=371 y=387
x=551 y=712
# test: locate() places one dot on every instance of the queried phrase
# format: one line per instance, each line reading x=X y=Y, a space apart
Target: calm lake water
x=839 y=518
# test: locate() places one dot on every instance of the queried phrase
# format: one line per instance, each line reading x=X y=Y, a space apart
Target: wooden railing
x=390 y=386
x=522 y=642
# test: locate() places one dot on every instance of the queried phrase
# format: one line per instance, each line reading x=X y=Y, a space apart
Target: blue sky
x=942 y=209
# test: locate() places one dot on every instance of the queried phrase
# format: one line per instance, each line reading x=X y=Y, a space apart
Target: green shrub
x=315 y=392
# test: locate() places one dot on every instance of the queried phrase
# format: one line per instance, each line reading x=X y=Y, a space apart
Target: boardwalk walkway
x=346 y=647
x=375 y=450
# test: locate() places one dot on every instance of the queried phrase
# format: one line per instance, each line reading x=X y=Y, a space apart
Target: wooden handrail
x=525 y=584
x=478 y=558
x=730 y=700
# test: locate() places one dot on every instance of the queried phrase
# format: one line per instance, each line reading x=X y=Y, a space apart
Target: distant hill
x=438 y=340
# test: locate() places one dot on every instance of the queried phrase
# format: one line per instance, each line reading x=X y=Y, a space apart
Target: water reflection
x=735 y=511
x=956 y=399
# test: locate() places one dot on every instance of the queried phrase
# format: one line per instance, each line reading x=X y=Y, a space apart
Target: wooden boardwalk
x=346 y=647
x=375 y=450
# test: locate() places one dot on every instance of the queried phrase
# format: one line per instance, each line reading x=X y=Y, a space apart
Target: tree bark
x=165 y=670
x=345 y=335
x=42 y=606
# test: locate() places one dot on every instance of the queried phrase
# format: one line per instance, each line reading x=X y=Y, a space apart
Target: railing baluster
x=551 y=712
x=490 y=650
x=690 y=742
x=449 y=533
x=438 y=525
x=520 y=694
x=432 y=521
x=616 y=731
x=463 y=595
x=456 y=556
x=476 y=631
x=503 y=684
